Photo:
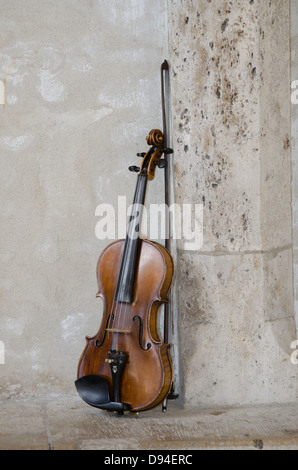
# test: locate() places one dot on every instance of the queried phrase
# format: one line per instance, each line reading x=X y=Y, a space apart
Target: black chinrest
x=94 y=390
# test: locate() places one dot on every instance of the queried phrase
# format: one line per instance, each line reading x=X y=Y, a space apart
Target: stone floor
x=68 y=423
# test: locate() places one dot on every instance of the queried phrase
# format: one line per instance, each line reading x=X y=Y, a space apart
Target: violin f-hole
x=100 y=343
x=137 y=317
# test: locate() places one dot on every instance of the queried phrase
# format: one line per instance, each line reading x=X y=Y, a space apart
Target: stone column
x=231 y=108
x=294 y=140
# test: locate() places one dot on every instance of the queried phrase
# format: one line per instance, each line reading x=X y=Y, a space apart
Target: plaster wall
x=82 y=92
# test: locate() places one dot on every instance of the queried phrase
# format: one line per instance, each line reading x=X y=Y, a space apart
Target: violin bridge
x=116 y=330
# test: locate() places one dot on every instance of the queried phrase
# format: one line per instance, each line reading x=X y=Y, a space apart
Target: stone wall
x=232 y=125
x=294 y=140
x=81 y=90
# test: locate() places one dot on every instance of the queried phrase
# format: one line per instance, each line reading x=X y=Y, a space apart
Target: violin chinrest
x=94 y=390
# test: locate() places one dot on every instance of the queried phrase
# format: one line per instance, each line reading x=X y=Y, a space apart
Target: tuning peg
x=135 y=169
x=167 y=151
x=141 y=155
x=161 y=163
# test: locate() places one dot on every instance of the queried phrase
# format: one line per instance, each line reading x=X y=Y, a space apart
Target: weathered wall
x=294 y=140
x=231 y=118
x=82 y=92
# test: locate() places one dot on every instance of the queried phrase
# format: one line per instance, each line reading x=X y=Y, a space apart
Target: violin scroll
x=155 y=138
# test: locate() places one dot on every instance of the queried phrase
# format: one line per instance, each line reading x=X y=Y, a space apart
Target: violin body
x=126 y=366
x=132 y=327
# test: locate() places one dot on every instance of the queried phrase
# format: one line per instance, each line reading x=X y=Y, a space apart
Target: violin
x=126 y=366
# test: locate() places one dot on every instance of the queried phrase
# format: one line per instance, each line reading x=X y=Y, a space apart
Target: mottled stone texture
x=294 y=141
x=231 y=118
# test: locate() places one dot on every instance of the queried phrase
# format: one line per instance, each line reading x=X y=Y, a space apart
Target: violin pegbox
x=152 y=159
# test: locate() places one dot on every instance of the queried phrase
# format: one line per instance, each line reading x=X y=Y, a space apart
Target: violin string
x=119 y=309
x=115 y=308
x=113 y=315
x=133 y=232
x=121 y=313
x=116 y=315
x=115 y=304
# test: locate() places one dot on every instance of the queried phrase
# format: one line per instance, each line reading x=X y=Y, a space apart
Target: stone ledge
x=64 y=423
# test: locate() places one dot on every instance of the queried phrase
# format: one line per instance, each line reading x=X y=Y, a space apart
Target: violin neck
x=126 y=278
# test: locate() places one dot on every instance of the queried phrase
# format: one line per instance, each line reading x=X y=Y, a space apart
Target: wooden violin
x=126 y=366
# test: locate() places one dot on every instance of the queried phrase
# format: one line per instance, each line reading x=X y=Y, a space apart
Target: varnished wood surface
x=147 y=374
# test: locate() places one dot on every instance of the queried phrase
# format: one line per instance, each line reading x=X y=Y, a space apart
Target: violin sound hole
x=141 y=334
x=100 y=343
